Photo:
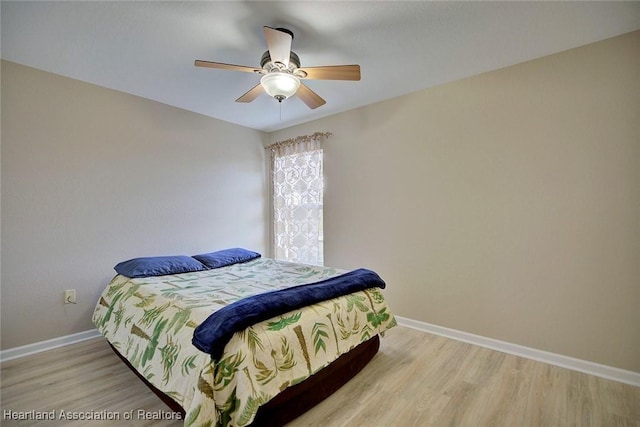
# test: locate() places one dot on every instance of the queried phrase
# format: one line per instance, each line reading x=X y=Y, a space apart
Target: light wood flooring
x=416 y=379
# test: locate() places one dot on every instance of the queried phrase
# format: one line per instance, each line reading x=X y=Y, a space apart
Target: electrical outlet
x=70 y=296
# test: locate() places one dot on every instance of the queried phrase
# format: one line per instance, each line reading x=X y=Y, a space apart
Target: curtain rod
x=303 y=138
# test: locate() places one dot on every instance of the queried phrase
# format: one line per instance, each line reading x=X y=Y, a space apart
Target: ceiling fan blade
x=309 y=97
x=332 y=72
x=251 y=94
x=279 y=45
x=222 y=66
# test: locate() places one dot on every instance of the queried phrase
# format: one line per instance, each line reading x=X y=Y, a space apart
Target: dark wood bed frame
x=297 y=399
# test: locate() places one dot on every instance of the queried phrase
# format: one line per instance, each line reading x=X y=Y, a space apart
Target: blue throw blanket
x=213 y=334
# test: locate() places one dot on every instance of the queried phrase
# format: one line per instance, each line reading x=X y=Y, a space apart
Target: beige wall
x=91 y=176
x=505 y=205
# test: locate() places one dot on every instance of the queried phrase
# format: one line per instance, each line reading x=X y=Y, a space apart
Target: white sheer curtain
x=297 y=188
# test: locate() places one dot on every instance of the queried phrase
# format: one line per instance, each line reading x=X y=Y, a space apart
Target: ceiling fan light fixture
x=280 y=85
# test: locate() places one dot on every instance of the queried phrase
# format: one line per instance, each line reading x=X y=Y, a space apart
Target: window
x=297 y=188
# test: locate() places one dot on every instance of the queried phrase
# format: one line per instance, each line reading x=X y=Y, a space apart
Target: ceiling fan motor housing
x=294 y=62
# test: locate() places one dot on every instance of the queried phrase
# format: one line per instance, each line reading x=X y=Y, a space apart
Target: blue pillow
x=158 y=266
x=226 y=257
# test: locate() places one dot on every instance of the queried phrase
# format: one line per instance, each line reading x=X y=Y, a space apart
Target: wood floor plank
x=416 y=379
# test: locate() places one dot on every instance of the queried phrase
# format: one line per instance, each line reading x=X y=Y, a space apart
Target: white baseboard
x=591 y=368
x=26 y=350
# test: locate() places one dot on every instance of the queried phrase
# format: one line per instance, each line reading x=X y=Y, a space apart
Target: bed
x=199 y=337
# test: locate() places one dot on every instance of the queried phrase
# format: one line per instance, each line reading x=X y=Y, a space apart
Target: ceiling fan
x=281 y=71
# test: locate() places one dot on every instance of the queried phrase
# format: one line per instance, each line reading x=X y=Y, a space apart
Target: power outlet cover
x=70 y=296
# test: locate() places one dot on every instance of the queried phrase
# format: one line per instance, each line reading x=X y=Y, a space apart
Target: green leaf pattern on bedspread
x=151 y=321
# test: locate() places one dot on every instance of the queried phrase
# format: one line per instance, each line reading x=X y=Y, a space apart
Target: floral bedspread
x=151 y=321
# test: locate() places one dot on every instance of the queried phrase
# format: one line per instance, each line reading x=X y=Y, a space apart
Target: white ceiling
x=148 y=48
